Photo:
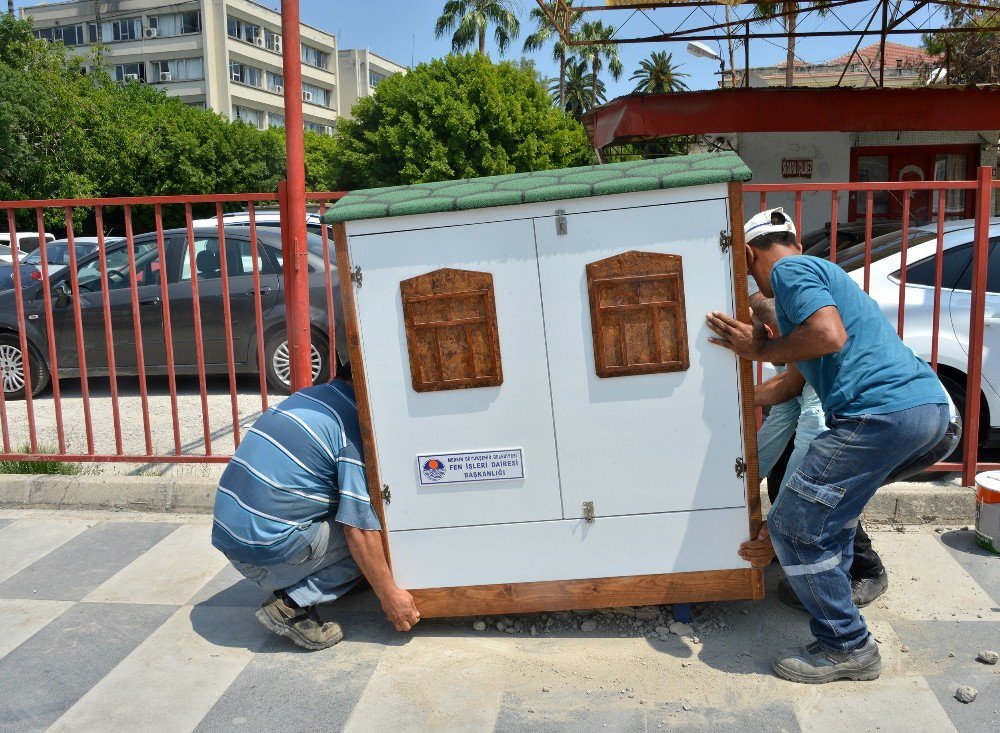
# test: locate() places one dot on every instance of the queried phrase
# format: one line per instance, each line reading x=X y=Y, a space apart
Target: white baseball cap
x=766 y=222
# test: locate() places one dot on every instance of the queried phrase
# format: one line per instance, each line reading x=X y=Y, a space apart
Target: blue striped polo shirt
x=300 y=462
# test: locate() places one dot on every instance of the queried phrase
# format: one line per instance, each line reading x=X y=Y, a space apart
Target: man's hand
x=400 y=609
x=740 y=338
x=758 y=552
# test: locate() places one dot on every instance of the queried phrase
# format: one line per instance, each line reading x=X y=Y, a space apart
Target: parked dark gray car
x=177 y=269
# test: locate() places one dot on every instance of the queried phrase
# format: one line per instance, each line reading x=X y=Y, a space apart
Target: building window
x=243 y=74
x=252 y=117
x=130 y=72
x=315 y=95
x=176 y=24
x=637 y=314
x=317 y=127
x=374 y=78
x=450 y=318
x=275 y=82
x=127 y=29
x=275 y=120
x=314 y=57
x=244 y=31
x=178 y=70
x=272 y=41
x=71 y=35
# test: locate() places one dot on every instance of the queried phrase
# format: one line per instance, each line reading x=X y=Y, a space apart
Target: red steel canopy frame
x=640 y=117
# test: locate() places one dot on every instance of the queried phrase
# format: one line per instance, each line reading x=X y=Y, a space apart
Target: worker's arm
x=781 y=388
x=366 y=549
x=820 y=334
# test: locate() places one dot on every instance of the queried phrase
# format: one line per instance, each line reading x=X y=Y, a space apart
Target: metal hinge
x=386 y=494
x=356 y=276
x=725 y=241
x=741 y=467
x=561 y=225
x=588 y=512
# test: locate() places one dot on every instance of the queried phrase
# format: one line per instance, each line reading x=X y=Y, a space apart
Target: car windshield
x=853 y=257
x=58 y=254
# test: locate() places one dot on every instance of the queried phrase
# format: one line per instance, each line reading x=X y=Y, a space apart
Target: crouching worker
x=292 y=514
x=886 y=413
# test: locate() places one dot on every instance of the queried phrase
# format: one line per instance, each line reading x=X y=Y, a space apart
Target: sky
x=403 y=31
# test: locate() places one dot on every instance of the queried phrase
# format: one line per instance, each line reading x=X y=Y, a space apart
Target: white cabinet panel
x=515 y=415
x=570 y=549
x=652 y=442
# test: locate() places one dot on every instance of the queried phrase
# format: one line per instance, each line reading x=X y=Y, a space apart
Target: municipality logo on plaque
x=433 y=469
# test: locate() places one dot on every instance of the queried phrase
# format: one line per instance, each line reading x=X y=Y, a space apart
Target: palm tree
x=10 y=8
x=545 y=31
x=598 y=53
x=658 y=75
x=470 y=20
x=580 y=93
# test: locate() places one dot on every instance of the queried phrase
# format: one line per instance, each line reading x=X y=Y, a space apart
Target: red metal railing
x=204 y=424
x=983 y=188
x=86 y=428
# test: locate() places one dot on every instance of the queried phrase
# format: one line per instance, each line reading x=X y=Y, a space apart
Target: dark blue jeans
x=813 y=522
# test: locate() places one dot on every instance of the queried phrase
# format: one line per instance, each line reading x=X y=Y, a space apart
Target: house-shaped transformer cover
x=546 y=425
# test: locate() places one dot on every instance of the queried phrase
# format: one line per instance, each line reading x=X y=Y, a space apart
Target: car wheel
x=957 y=393
x=278 y=362
x=12 y=367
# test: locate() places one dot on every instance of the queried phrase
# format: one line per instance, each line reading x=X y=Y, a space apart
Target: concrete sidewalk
x=941 y=500
x=113 y=622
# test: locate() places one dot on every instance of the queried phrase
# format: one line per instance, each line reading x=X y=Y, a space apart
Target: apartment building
x=360 y=72
x=224 y=55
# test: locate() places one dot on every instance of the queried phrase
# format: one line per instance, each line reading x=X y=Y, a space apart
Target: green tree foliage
x=601 y=52
x=972 y=57
x=579 y=92
x=470 y=20
x=658 y=75
x=457 y=117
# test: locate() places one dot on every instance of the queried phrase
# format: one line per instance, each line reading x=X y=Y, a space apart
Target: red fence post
x=977 y=323
x=293 y=222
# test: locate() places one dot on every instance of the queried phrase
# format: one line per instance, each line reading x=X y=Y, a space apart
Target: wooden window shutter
x=451 y=330
x=637 y=314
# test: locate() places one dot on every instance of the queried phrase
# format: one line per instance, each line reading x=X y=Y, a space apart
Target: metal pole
x=881 y=45
x=293 y=223
x=977 y=323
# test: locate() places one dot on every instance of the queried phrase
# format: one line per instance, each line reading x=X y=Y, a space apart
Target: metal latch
x=356 y=276
x=725 y=241
x=561 y=225
x=588 y=512
x=386 y=494
x=741 y=467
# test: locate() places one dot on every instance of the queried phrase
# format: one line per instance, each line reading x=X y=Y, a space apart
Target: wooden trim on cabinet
x=568 y=595
x=742 y=303
x=352 y=329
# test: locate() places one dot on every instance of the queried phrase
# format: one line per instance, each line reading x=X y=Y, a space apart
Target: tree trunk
x=593 y=83
x=562 y=81
x=482 y=41
x=790 y=23
x=10 y=7
x=732 y=58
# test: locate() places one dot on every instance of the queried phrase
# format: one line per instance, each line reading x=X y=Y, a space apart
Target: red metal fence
x=93 y=329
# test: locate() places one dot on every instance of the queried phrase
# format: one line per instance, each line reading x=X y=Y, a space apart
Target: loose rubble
x=987 y=656
x=966 y=694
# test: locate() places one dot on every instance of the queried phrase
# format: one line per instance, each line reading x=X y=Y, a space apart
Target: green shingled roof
x=525 y=188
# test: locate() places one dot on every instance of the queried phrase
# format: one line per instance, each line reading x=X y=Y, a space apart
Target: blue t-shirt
x=299 y=463
x=875 y=372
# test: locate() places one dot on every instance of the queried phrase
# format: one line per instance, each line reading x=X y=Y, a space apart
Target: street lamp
x=702 y=51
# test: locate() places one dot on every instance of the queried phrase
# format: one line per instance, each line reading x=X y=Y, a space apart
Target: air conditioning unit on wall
x=277 y=44
x=259 y=42
x=131 y=77
x=278 y=89
x=307 y=96
x=150 y=33
x=166 y=76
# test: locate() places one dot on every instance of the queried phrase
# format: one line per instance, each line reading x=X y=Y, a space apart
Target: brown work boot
x=301 y=625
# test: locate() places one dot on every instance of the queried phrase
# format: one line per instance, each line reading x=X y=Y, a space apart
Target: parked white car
x=918 y=311
x=26 y=242
x=264 y=218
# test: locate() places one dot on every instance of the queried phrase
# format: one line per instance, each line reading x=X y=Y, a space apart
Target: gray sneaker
x=301 y=625
x=814 y=665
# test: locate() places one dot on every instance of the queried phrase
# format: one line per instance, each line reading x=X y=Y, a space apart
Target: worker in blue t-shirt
x=292 y=514
x=886 y=412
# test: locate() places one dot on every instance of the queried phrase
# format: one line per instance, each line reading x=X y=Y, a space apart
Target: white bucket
x=988 y=511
